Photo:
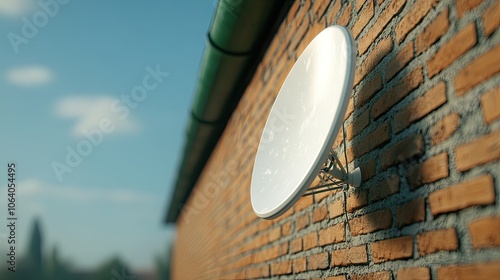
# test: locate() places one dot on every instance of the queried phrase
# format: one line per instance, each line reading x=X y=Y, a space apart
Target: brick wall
x=424 y=126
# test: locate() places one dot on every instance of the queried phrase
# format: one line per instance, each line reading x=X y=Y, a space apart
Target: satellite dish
x=305 y=119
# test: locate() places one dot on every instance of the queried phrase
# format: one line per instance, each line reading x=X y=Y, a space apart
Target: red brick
x=401 y=89
x=478 y=152
x=490 y=102
x=373 y=59
x=431 y=170
x=453 y=49
x=349 y=256
x=280 y=268
x=318 y=261
x=363 y=19
x=310 y=240
x=489 y=270
x=444 y=128
x=296 y=245
x=336 y=208
x=359 y=123
x=302 y=221
x=420 y=107
x=491 y=18
x=387 y=14
x=368 y=168
x=381 y=275
x=410 y=212
x=392 y=249
x=417 y=12
x=350 y=108
x=414 y=273
x=357 y=200
x=479 y=70
x=331 y=235
x=368 y=90
x=404 y=56
x=378 y=220
x=387 y=187
x=464 y=6
x=432 y=32
x=299 y=265
x=479 y=191
x=485 y=233
x=345 y=16
x=437 y=240
x=410 y=147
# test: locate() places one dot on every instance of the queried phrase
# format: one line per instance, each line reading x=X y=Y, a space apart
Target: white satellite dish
x=305 y=119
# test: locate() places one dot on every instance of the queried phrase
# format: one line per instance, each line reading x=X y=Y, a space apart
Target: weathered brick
x=402 y=58
x=299 y=265
x=286 y=228
x=389 y=12
x=320 y=214
x=363 y=19
x=464 y=6
x=296 y=245
x=410 y=212
x=345 y=16
x=438 y=240
x=257 y=272
x=431 y=170
x=410 y=82
x=280 y=268
x=413 y=17
x=333 y=12
x=491 y=18
x=357 y=200
x=485 y=233
x=318 y=261
x=453 y=49
x=359 y=123
x=368 y=90
x=479 y=191
x=381 y=275
x=444 y=128
x=336 y=208
x=414 y=273
x=302 y=221
x=378 y=220
x=349 y=256
x=303 y=203
x=359 y=4
x=392 y=249
x=274 y=234
x=489 y=270
x=432 y=32
x=420 y=107
x=310 y=240
x=383 y=48
x=372 y=140
x=350 y=108
x=385 y=188
x=480 y=151
x=490 y=102
x=479 y=70
x=368 y=168
x=410 y=147
x=337 y=277
x=331 y=235
x=319 y=7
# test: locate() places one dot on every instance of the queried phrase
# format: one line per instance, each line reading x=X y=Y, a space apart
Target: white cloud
x=28 y=76
x=37 y=188
x=16 y=8
x=90 y=111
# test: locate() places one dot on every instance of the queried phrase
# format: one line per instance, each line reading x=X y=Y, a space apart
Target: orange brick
x=383 y=48
x=368 y=168
x=414 y=273
x=387 y=14
x=491 y=18
x=298 y=34
x=410 y=212
x=479 y=70
x=257 y=272
x=331 y=235
x=349 y=256
x=410 y=147
x=392 y=249
x=404 y=56
x=490 y=102
x=485 y=232
x=336 y=208
x=480 y=151
x=479 y=191
x=357 y=200
x=350 y=109
x=368 y=90
x=359 y=4
x=381 y=275
x=437 y=240
x=410 y=82
x=299 y=265
x=345 y=16
x=464 y=6
x=387 y=187
x=302 y=221
x=310 y=240
x=359 y=123
x=311 y=33
x=432 y=32
x=417 y=12
x=286 y=228
x=274 y=234
x=280 y=268
x=363 y=19
x=453 y=49
x=319 y=7
x=378 y=220
x=444 y=128
x=333 y=12
x=338 y=277
x=372 y=140
x=296 y=245
x=420 y=107
x=320 y=214
x=318 y=261
x=303 y=203
x=489 y=270
x=431 y=170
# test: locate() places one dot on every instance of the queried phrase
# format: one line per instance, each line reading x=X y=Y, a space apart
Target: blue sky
x=61 y=79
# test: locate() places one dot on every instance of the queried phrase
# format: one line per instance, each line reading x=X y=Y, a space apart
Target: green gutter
x=237 y=38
